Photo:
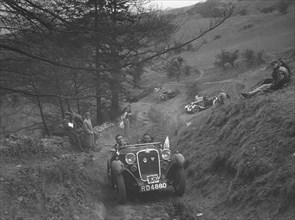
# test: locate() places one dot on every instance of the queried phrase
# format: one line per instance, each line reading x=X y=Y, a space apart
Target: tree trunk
x=99 y=118
x=77 y=93
x=61 y=107
x=114 y=86
x=42 y=116
x=68 y=105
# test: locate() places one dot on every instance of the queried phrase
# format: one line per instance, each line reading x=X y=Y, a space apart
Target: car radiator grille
x=148 y=163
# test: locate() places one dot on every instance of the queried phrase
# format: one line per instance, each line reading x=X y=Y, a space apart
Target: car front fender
x=117 y=167
x=178 y=159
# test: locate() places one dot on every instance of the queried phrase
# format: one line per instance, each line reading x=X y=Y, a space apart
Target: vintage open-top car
x=194 y=107
x=169 y=94
x=201 y=104
x=145 y=167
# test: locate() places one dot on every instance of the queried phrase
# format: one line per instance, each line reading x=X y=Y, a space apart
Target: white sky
x=174 y=3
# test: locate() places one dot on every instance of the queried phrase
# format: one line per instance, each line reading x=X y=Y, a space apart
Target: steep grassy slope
x=243 y=154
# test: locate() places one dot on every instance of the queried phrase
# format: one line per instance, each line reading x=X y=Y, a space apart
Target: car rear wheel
x=196 y=109
x=121 y=189
x=179 y=181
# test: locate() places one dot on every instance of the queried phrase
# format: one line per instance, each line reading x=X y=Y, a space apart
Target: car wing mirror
x=166 y=143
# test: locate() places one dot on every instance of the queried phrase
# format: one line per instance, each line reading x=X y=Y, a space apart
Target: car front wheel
x=121 y=189
x=179 y=181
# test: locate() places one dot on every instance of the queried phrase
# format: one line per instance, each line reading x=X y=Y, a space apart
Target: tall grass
x=251 y=144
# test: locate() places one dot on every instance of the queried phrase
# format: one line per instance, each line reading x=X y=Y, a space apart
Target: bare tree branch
x=211 y=27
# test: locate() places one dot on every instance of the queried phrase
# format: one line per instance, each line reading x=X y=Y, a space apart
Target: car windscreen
x=137 y=147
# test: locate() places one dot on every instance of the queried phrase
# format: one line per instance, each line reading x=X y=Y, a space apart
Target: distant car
x=169 y=94
x=145 y=167
x=200 y=105
x=193 y=107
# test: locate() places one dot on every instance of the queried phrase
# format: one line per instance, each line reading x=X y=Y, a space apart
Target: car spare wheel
x=179 y=181
x=121 y=189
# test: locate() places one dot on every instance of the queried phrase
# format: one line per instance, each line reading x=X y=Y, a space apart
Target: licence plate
x=152 y=187
x=152 y=179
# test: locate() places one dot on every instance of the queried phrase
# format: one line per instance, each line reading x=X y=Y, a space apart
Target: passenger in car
x=147 y=138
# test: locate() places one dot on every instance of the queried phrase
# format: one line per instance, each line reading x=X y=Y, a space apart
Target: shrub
x=249 y=56
x=225 y=57
x=243 y=12
x=259 y=57
x=176 y=67
x=283 y=7
x=247 y=26
x=266 y=10
x=217 y=37
x=252 y=58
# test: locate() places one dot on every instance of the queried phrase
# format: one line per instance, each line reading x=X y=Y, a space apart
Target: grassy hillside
x=241 y=157
x=270 y=32
x=243 y=154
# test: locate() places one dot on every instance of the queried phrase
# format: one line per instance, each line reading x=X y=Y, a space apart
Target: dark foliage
x=226 y=57
x=266 y=10
x=283 y=7
x=252 y=58
x=211 y=9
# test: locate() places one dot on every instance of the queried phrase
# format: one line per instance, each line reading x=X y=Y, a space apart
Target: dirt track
x=151 y=205
x=157 y=205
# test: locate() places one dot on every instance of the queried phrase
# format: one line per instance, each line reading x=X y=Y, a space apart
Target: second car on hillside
x=169 y=94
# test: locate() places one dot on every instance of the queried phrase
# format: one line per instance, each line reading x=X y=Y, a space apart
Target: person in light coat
x=88 y=132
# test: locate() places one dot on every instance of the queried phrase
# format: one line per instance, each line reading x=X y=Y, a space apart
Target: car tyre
x=121 y=189
x=196 y=109
x=179 y=181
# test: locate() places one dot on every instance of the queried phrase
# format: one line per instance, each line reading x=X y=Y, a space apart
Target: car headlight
x=130 y=158
x=166 y=154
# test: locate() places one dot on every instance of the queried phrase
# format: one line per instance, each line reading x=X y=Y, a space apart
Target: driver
x=119 y=141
